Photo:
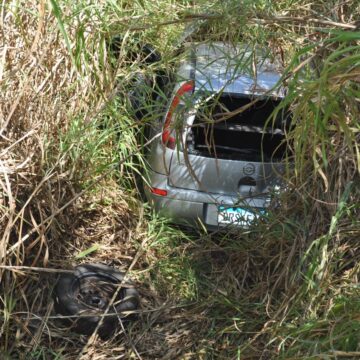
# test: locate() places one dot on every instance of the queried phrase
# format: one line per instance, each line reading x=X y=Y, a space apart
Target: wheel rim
x=96 y=290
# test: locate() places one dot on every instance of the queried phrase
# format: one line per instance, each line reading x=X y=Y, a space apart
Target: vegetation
x=70 y=151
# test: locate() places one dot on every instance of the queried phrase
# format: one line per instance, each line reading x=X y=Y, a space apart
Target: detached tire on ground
x=85 y=295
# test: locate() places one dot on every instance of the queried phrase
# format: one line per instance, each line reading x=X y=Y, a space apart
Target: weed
x=70 y=149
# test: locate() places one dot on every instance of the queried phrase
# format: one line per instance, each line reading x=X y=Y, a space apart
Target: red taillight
x=160 y=192
x=167 y=139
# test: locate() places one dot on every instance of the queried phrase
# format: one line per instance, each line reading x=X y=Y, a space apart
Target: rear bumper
x=191 y=206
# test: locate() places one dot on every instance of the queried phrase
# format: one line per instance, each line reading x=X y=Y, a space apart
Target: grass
x=70 y=151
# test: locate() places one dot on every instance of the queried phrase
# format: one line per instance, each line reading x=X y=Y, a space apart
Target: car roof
x=235 y=69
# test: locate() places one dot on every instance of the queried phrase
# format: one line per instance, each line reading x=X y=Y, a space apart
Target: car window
x=234 y=127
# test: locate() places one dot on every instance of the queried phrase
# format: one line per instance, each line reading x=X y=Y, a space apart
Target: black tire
x=140 y=95
x=149 y=54
x=146 y=53
x=87 y=291
x=142 y=90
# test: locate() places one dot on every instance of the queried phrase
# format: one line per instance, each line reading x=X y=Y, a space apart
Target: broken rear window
x=233 y=128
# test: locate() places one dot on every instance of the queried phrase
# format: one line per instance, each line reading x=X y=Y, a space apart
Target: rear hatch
x=230 y=148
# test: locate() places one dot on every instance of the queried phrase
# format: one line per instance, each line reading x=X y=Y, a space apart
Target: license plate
x=237 y=215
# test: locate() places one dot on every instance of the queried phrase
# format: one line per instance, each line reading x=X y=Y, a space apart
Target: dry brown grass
x=165 y=326
x=41 y=94
x=249 y=288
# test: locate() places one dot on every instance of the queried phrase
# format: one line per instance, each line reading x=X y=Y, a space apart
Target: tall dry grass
x=288 y=288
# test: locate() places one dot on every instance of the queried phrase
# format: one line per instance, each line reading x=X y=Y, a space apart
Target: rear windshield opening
x=216 y=132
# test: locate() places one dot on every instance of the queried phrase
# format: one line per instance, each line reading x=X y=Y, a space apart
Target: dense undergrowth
x=70 y=151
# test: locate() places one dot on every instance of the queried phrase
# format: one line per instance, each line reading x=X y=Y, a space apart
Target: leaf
x=57 y=13
x=88 y=251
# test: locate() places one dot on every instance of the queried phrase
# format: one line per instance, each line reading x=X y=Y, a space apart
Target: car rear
x=219 y=157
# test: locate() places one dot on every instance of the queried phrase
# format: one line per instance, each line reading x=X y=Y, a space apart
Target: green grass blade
x=88 y=251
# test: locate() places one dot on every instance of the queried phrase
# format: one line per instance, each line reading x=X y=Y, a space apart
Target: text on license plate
x=237 y=215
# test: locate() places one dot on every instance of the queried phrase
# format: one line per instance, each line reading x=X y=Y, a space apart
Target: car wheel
x=86 y=293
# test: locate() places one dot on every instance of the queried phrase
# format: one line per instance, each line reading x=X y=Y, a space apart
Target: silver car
x=217 y=158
